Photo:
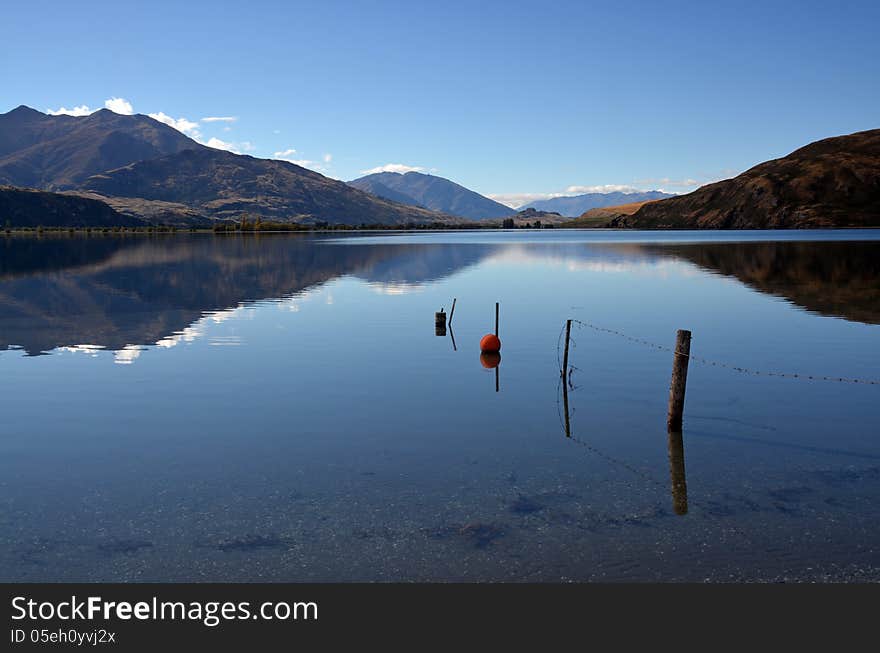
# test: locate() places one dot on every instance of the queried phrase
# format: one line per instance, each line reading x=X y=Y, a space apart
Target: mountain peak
x=24 y=111
x=107 y=114
x=432 y=192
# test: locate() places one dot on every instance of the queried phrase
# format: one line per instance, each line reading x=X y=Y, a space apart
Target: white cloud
x=188 y=127
x=220 y=119
x=675 y=183
x=115 y=104
x=82 y=110
x=395 y=288
x=127 y=355
x=317 y=166
x=235 y=148
x=91 y=350
x=119 y=105
x=606 y=188
x=393 y=167
x=217 y=144
x=287 y=155
x=516 y=200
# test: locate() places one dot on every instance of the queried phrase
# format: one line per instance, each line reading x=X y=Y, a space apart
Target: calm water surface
x=280 y=408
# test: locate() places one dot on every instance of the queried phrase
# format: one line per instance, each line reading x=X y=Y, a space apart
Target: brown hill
x=20 y=207
x=532 y=216
x=601 y=217
x=834 y=182
x=225 y=185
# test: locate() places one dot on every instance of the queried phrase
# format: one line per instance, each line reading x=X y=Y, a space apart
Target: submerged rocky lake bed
x=280 y=408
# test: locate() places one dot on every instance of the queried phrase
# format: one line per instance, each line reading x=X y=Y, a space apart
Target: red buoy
x=490 y=343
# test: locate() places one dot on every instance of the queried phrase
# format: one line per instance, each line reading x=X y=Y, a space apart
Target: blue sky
x=512 y=99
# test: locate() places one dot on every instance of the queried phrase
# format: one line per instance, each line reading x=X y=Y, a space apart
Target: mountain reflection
x=837 y=279
x=121 y=293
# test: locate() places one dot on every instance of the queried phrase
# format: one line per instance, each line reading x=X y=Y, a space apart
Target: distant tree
x=537 y=224
x=507 y=223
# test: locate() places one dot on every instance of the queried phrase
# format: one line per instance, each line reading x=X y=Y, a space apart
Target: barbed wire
x=704 y=506
x=713 y=363
x=615 y=461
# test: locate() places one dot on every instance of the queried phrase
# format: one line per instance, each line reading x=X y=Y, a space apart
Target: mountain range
x=133 y=169
x=60 y=152
x=431 y=192
x=144 y=168
x=576 y=205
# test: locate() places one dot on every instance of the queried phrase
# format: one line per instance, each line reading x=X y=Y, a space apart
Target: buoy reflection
x=492 y=360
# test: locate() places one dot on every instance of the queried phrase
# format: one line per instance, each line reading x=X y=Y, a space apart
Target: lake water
x=278 y=407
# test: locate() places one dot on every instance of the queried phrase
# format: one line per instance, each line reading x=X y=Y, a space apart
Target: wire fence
x=699 y=359
x=679 y=492
x=593 y=449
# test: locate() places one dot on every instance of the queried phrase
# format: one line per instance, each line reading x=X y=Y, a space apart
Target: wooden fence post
x=679 y=380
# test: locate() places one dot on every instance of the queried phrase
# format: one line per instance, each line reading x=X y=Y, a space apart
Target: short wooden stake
x=565 y=356
x=440 y=323
x=676 y=473
x=679 y=380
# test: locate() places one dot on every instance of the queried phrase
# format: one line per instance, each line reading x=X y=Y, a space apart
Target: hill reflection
x=116 y=292
x=836 y=279
x=120 y=292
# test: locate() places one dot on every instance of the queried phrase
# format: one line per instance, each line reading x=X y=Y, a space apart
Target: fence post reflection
x=676 y=473
x=565 y=405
